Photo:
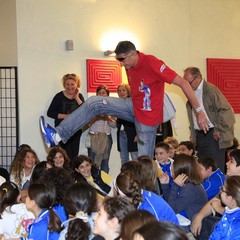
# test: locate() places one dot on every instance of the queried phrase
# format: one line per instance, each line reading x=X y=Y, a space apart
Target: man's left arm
x=187 y=90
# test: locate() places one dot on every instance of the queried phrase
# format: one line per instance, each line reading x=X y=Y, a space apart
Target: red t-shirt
x=147 y=80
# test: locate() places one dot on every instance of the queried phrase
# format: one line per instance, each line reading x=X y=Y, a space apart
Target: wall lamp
x=109 y=53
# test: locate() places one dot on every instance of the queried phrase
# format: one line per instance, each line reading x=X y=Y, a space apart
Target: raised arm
x=187 y=90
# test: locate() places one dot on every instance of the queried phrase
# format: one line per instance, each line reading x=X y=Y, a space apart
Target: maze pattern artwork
x=225 y=74
x=106 y=72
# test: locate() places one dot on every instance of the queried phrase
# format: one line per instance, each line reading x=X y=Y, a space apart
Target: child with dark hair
x=213 y=178
x=228 y=226
x=47 y=224
x=58 y=157
x=107 y=222
x=186 y=195
x=85 y=170
x=133 y=221
x=163 y=160
x=38 y=171
x=80 y=202
x=204 y=222
x=59 y=179
x=186 y=147
x=160 y=231
x=126 y=185
x=14 y=217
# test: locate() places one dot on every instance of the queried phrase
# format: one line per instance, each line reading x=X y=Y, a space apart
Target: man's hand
x=202 y=121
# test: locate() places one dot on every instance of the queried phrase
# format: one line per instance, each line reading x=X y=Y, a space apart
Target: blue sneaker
x=48 y=133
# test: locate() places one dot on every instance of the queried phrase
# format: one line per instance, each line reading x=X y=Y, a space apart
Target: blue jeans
x=117 y=107
x=124 y=154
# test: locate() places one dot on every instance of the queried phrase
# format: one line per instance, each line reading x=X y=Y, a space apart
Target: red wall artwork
x=103 y=72
x=225 y=74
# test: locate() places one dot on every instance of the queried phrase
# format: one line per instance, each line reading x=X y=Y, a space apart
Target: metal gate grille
x=8 y=115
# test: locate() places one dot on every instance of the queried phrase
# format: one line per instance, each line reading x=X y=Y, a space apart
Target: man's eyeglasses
x=193 y=80
x=123 y=58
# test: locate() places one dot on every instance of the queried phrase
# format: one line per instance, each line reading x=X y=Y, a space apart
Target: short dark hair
x=103 y=87
x=124 y=47
x=117 y=207
x=235 y=154
x=189 y=145
x=208 y=162
x=162 y=145
x=161 y=231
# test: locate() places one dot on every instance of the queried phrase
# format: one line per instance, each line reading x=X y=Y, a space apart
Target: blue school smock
x=228 y=227
x=156 y=205
x=38 y=230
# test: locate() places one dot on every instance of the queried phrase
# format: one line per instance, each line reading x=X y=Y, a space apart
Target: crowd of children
x=74 y=199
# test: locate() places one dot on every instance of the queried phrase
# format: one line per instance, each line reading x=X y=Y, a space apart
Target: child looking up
x=228 y=226
x=163 y=160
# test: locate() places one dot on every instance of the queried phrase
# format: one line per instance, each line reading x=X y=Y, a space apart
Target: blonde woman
x=63 y=104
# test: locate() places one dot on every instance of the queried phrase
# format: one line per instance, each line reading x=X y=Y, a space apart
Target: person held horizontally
x=139 y=68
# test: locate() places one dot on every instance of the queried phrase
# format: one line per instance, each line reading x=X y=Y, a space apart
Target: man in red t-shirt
x=147 y=76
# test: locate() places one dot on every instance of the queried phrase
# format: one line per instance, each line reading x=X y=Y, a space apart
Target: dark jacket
x=96 y=174
x=130 y=130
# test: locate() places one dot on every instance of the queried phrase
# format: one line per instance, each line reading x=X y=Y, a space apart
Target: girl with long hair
x=186 y=195
x=126 y=185
x=47 y=224
x=80 y=202
x=22 y=167
x=14 y=217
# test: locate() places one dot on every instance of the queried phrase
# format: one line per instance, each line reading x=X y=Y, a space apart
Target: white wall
x=182 y=33
x=8 y=33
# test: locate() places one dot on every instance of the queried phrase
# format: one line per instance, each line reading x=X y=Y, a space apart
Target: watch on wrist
x=198 y=109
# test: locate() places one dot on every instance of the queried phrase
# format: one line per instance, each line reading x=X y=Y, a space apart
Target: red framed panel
x=225 y=74
x=107 y=72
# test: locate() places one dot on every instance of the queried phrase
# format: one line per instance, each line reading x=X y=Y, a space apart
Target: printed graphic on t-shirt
x=22 y=223
x=147 y=93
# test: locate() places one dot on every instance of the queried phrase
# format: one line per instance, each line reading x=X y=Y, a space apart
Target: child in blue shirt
x=47 y=224
x=213 y=178
x=228 y=226
x=163 y=160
